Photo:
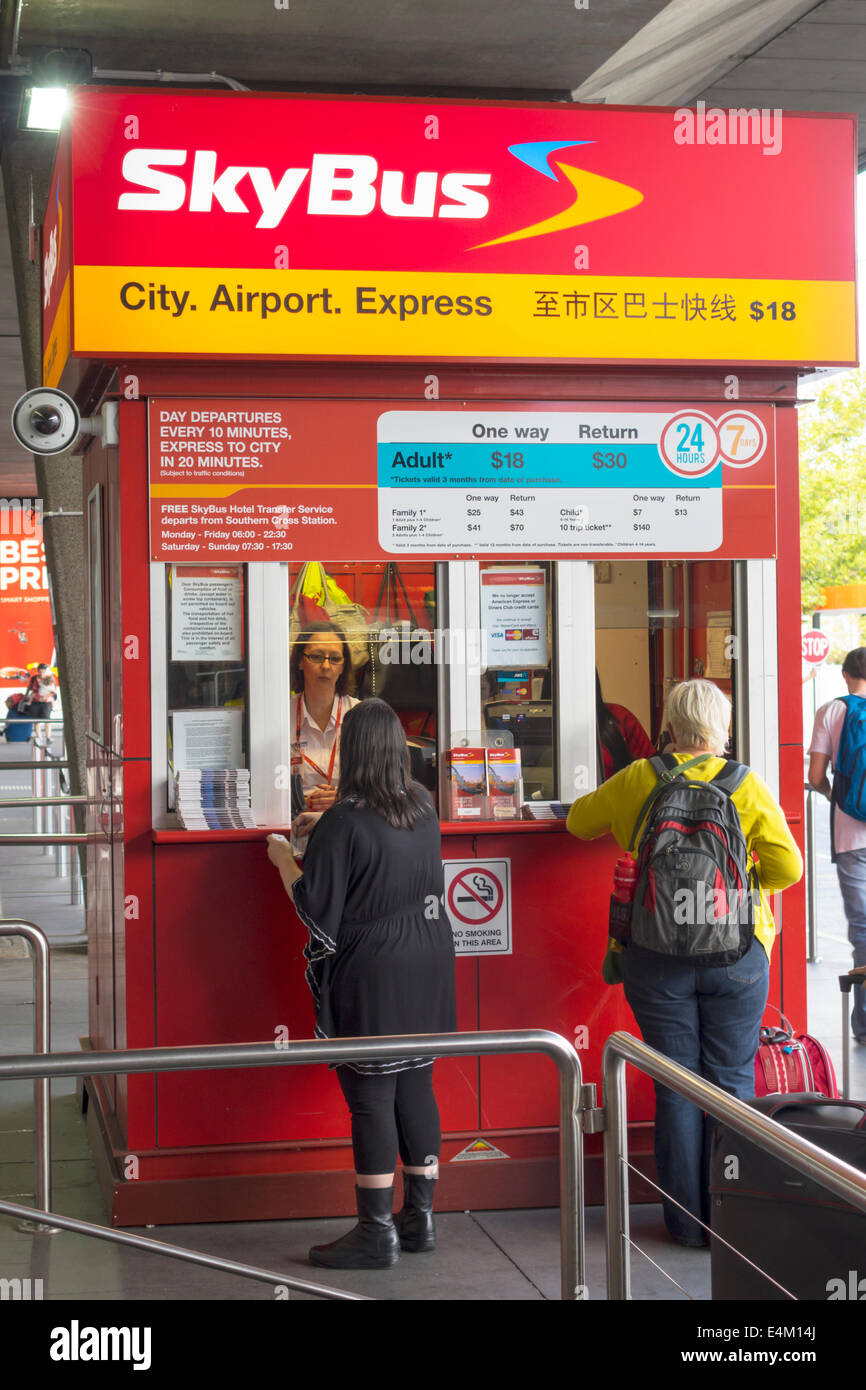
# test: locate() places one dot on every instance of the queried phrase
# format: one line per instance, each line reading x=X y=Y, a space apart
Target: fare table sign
x=268 y=226
x=268 y=479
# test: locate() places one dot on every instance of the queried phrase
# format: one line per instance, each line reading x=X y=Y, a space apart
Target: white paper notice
x=207 y=738
x=206 y=616
x=514 y=617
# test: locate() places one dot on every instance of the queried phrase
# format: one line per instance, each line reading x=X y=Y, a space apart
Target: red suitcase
x=787 y=1062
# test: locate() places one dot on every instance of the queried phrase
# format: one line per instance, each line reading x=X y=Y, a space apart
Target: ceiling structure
x=800 y=54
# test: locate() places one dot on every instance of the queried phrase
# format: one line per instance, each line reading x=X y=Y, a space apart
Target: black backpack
x=696 y=887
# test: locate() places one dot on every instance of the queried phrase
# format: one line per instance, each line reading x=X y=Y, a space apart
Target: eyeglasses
x=319 y=658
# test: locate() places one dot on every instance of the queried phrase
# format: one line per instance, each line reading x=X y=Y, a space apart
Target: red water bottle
x=625 y=877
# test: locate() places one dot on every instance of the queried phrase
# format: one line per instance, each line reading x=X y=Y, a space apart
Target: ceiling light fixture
x=43 y=108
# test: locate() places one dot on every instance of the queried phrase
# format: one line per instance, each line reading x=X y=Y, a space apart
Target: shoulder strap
x=398 y=579
x=731 y=777
x=668 y=770
x=383 y=588
x=663 y=762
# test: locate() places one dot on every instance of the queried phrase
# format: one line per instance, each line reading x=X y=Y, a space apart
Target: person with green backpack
x=711 y=841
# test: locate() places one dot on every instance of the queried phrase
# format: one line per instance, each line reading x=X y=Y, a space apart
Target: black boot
x=415 y=1225
x=372 y=1244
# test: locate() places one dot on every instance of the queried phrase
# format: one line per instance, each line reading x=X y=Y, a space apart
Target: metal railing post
x=63 y=861
x=76 y=886
x=616 y=1177
x=571 y=1226
x=61 y=868
x=10 y=926
x=34 y=784
x=39 y=791
x=50 y=811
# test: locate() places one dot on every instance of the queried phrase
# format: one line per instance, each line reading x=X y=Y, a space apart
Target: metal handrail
x=15 y=801
x=824 y=1168
x=43 y=838
x=179 y=1252
x=18 y=765
x=340 y=1050
x=12 y=926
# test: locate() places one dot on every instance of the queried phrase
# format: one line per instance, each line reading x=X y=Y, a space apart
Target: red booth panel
x=243 y=985
x=560 y=894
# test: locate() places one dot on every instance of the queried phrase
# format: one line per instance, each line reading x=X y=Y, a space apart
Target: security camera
x=46 y=421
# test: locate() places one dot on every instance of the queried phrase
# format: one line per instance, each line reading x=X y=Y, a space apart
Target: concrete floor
x=487 y=1256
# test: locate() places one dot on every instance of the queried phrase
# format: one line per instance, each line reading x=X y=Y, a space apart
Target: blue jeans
x=851 y=868
x=707 y=1019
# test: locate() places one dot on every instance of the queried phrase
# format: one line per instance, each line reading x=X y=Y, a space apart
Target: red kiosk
x=523 y=379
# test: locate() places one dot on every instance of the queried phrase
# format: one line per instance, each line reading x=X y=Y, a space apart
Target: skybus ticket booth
x=522 y=494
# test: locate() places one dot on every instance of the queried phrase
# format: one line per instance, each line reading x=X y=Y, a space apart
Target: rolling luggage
x=18 y=728
x=793 y=1228
x=787 y=1062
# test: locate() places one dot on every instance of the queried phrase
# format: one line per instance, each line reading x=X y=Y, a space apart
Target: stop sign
x=814 y=646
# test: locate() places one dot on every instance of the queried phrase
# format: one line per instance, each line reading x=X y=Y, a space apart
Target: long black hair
x=374 y=766
x=610 y=733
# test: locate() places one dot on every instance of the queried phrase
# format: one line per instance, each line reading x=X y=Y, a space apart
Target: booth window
x=387 y=613
x=207 y=668
x=517 y=686
x=657 y=623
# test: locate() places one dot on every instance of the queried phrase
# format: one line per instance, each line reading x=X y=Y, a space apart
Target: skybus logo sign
x=340 y=185
x=345 y=185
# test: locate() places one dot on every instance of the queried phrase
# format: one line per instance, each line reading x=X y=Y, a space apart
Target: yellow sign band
x=271 y=313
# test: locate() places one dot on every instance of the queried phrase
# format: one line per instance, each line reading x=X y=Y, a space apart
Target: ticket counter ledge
x=454 y=827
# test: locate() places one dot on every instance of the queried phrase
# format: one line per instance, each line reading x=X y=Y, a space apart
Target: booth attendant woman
x=321 y=672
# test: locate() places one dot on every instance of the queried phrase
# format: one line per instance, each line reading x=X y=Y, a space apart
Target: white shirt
x=848 y=833
x=316 y=743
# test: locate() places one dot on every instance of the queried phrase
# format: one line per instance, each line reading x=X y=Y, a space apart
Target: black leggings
x=391 y=1111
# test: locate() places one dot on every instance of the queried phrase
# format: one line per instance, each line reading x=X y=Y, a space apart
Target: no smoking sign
x=478 y=898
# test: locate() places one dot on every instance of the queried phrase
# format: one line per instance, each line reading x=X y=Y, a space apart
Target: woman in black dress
x=380 y=960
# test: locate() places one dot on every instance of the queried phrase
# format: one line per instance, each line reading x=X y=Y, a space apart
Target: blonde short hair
x=698 y=712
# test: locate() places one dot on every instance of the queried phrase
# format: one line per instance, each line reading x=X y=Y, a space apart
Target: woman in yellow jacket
x=706 y=1018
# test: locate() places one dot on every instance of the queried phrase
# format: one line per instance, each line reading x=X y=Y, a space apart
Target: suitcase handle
x=847 y=982
x=822 y=1102
x=786 y=1025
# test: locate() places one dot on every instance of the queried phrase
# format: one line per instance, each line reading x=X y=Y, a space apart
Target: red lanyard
x=329 y=774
